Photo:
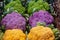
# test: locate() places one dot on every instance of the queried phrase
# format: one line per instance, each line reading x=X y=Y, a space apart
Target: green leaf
x=41 y=24
x=51 y=26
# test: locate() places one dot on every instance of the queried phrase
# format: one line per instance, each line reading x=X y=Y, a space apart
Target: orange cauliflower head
x=41 y=33
x=14 y=34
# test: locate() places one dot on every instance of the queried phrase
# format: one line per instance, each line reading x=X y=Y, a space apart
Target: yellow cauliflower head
x=14 y=34
x=41 y=33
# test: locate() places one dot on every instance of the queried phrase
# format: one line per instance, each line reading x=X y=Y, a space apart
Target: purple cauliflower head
x=40 y=17
x=14 y=20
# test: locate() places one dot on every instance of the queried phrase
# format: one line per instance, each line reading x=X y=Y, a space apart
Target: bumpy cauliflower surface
x=41 y=17
x=16 y=5
x=15 y=34
x=41 y=33
x=14 y=20
x=36 y=6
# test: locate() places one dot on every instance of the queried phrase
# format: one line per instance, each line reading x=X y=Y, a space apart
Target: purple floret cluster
x=14 y=20
x=40 y=17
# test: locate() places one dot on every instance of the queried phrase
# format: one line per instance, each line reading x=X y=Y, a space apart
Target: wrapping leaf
x=1 y=35
x=56 y=33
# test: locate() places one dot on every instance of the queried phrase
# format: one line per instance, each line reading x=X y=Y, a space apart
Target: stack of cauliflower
x=15 y=24
x=36 y=33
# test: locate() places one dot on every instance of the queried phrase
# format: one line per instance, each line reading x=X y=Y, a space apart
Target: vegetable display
x=41 y=17
x=36 y=6
x=15 y=34
x=41 y=33
x=16 y=6
x=29 y=20
x=14 y=20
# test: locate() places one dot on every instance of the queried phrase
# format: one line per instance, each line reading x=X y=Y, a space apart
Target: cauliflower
x=36 y=6
x=40 y=17
x=16 y=6
x=15 y=34
x=41 y=33
x=14 y=20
